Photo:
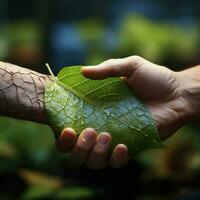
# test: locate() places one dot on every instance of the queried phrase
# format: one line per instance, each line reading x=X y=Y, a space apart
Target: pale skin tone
x=172 y=98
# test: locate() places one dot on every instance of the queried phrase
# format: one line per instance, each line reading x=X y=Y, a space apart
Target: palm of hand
x=159 y=89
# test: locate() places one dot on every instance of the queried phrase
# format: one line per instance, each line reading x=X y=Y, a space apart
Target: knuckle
x=136 y=60
x=109 y=61
x=99 y=152
x=136 y=57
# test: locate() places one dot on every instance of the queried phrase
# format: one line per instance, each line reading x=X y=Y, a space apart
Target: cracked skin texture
x=22 y=93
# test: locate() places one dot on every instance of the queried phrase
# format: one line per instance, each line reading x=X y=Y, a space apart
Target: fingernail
x=103 y=139
x=88 y=136
x=67 y=132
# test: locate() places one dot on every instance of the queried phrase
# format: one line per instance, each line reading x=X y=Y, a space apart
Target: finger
x=83 y=146
x=113 y=67
x=119 y=156
x=66 y=140
x=99 y=154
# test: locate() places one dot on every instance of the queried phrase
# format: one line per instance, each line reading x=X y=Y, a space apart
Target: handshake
x=171 y=97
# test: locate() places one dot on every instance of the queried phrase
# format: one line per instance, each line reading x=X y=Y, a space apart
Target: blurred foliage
x=31 y=167
x=25 y=145
x=181 y=156
x=69 y=193
x=135 y=34
x=24 y=142
x=157 y=41
x=22 y=42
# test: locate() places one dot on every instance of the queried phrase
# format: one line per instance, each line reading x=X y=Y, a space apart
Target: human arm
x=22 y=97
x=22 y=93
x=172 y=98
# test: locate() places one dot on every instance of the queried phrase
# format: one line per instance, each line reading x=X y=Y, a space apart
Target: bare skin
x=22 y=93
x=22 y=97
x=172 y=98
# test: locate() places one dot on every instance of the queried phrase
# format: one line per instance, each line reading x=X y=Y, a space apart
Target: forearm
x=22 y=93
x=190 y=85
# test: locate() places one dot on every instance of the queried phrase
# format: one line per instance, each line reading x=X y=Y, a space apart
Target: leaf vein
x=101 y=86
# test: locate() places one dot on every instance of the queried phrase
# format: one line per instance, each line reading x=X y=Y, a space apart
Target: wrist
x=189 y=83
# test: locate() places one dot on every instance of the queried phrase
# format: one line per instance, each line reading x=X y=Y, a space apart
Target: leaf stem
x=50 y=71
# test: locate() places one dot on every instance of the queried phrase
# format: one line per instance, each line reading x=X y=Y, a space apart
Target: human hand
x=158 y=87
x=91 y=149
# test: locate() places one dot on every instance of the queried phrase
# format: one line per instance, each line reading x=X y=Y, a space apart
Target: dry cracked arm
x=22 y=93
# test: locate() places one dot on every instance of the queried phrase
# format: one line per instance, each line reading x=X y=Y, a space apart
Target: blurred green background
x=74 y=32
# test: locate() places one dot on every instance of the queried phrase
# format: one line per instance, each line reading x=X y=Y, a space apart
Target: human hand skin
x=171 y=97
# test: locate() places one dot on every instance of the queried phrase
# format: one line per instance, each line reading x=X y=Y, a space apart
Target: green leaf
x=36 y=192
x=75 y=193
x=106 y=105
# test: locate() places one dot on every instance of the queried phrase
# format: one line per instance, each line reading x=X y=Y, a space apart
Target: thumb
x=122 y=67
